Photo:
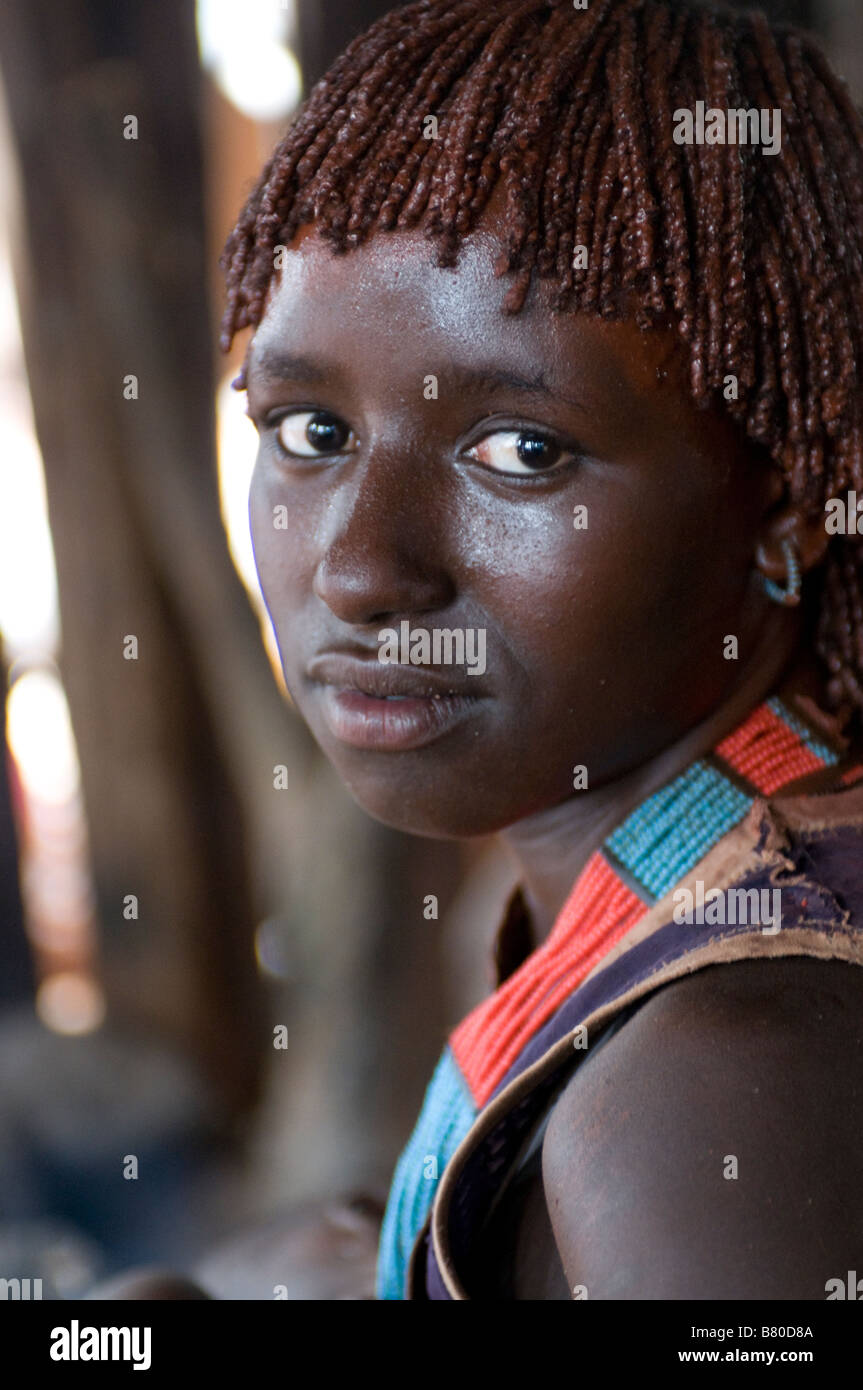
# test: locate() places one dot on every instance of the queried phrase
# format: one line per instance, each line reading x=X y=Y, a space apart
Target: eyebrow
x=496 y=378
x=277 y=365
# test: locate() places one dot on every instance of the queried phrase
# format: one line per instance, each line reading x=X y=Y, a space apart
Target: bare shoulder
x=711 y=1149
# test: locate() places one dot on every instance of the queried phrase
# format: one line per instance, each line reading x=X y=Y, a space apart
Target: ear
x=788 y=522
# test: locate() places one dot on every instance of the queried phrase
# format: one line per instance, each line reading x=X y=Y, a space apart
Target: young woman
x=558 y=316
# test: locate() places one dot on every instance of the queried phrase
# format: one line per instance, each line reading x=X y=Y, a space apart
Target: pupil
x=324 y=432
x=533 y=449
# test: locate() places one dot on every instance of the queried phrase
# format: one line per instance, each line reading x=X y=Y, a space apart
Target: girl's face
x=539 y=486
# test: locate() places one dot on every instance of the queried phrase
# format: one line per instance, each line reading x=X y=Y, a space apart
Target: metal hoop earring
x=789 y=597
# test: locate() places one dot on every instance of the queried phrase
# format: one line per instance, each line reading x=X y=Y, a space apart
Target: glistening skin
x=605 y=645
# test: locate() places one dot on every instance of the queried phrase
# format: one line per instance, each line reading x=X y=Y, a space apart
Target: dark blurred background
x=163 y=908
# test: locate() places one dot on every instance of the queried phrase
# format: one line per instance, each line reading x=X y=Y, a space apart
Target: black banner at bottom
x=158 y=1339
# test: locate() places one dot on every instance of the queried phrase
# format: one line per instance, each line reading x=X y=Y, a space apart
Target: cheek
x=616 y=607
x=261 y=518
x=274 y=541
x=271 y=523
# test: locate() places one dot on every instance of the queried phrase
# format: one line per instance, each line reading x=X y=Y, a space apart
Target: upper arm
x=712 y=1148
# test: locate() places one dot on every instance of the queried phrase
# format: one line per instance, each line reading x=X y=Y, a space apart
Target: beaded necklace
x=657 y=844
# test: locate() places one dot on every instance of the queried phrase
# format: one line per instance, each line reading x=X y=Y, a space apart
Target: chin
x=442 y=811
x=413 y=815
x=438 y=814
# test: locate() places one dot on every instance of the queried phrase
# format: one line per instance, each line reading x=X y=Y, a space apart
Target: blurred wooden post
x=114 y=287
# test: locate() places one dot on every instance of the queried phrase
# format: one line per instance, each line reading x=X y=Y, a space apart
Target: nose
x=385 y=555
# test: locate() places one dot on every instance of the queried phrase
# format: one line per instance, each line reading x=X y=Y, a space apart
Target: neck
x=552 y=847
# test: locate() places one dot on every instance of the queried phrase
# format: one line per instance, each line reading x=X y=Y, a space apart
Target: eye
x=519 y=451
x=312 y=433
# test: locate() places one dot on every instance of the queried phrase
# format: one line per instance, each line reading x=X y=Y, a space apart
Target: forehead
x=390 y=294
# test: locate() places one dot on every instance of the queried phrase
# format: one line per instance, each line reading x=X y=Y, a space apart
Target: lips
x=389 y=708
x=382 y=681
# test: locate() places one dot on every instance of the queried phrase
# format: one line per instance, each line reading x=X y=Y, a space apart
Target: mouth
x=389 y=708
